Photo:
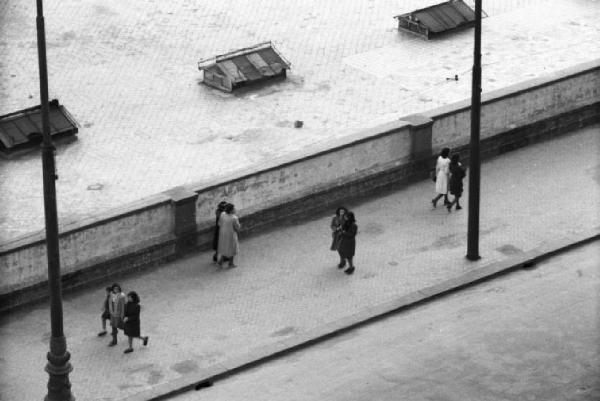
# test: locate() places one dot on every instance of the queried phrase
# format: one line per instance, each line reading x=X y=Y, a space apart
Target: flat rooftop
x=127 y=72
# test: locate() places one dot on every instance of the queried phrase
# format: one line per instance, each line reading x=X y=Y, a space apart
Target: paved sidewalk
x=203 y=320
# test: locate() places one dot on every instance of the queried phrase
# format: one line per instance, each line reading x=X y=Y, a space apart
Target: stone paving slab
x=203 y=320
x=127 y=72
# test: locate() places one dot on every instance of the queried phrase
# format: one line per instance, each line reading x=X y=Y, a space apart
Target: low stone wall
x=181 y=220
x=95 y=246
x=518 y=106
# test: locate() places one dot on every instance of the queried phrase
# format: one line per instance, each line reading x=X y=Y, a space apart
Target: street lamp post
x=58 y=367
x=475 y=162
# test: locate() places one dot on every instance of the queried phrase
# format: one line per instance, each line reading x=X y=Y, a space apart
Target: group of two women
x=448 y=177
x=343 y=232
x=225 y=239
x=123 y=312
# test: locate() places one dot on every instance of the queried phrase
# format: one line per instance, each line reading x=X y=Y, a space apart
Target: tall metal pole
x=475 y=162
x=58 y=367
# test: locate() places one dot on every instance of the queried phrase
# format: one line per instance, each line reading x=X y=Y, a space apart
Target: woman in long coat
x=229 y=226
x=132 y=320
x=116 y=310
x=215 y=244
x=441 y=177
x=347 y=245
x=336 y=229
x=457 y=173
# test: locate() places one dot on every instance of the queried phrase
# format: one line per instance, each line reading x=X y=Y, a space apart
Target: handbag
x=335 y=242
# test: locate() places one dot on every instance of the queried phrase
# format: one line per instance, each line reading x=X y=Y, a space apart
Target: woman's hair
x=349 y=220
x=229 y=208
x=337 y=211
x=112 y=287
x=445 y=152
x=221 y=206
x=455 y=158
x=134 y=297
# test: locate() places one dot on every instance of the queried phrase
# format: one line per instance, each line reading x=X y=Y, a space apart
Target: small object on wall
x=452 y=79
x=298 y=124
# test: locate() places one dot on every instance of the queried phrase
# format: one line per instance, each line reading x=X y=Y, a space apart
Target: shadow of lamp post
x=58 y=367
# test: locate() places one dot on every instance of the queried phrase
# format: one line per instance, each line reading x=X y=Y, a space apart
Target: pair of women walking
x=225 y=239
x=448 y=177
x=123 y=311
x=343 y=232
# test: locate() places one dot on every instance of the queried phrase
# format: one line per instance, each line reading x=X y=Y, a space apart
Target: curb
x=206 y=377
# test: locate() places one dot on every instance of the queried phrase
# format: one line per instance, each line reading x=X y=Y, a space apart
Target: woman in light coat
x=229 y=227
x=441 y=177
x=215 y=244
x=116 y=310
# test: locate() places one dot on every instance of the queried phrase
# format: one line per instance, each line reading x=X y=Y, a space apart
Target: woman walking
x=229 y=227
x=116 y=310
x=132 y=320
x=347 y=244
x=457 y=173
x=336 y=230
x=105 y=313
x=215 y=243
x=441 y=177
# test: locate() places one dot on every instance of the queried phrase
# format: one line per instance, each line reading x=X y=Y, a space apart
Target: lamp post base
x=473 y=257
x=58 y=368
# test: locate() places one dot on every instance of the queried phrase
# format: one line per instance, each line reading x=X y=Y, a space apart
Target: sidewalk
x=203 y=320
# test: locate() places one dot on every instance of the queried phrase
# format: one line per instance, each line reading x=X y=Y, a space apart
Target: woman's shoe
x=145 y=339
x=449 y=207
x=128 y=350
x=231 y=265
x=341 y=265
x=458 y=207
x=434 y=203
x=102 y=333
x=349 y=270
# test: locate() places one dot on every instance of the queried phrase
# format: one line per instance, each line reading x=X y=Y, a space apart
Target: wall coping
x=72 y=226
x=310 y=152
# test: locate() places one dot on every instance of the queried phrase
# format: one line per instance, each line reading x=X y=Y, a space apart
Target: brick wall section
x=100 y=273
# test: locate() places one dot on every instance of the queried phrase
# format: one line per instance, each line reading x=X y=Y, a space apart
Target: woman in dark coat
x=215 y=243
x=132 y=320
x=336 y=231
x=457 y=173
x=347 y=245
